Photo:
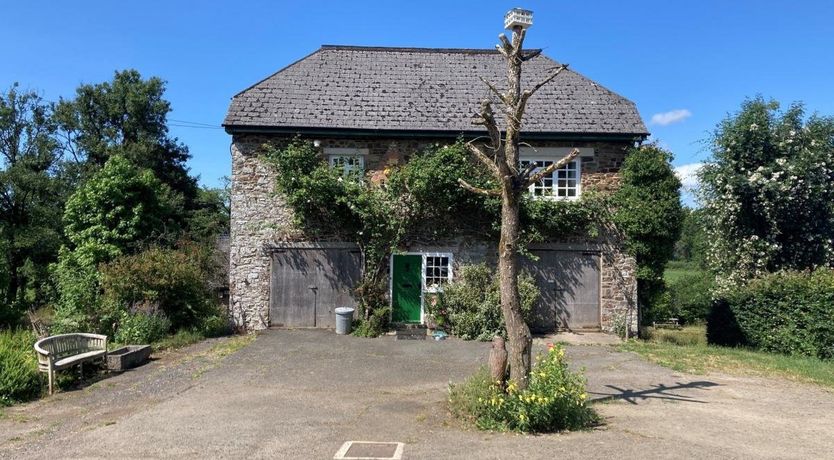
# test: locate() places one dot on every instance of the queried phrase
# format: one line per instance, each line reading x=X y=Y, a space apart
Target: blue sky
x=689 y=63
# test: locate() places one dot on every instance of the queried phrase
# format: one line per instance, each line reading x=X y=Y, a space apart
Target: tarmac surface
x=303 y=393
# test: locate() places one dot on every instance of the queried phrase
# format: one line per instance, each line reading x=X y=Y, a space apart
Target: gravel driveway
x=302 y=393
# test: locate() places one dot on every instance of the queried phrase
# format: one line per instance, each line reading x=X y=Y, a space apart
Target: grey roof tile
x=422 y=89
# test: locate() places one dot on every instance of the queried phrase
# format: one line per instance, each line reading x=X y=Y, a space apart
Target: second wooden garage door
x=569 y=282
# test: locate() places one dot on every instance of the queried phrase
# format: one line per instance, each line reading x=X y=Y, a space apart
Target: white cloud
x=672 y=116
x=688 y=175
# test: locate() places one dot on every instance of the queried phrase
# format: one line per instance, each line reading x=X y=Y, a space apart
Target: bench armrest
x=40 y=350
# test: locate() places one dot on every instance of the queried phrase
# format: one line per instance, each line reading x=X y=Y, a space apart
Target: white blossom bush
x=768 y=193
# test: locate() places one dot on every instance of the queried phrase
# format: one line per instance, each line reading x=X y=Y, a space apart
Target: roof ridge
x=416 y=49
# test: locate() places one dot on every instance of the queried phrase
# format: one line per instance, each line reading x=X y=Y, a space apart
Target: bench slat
x=75 y=359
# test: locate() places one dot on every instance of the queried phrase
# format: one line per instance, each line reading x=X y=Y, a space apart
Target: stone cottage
x=367 y=107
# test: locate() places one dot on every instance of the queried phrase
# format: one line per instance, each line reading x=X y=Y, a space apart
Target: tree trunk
x=498 y=360
x=518 y=334
x=501 y=156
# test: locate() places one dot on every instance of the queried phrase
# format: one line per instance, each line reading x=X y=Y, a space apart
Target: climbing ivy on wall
x=419 y=200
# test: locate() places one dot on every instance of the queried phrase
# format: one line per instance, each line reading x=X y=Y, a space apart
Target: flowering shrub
x=767 y=193
x=555 y=399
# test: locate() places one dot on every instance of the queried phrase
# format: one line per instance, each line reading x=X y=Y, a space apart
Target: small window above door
x=350 y=161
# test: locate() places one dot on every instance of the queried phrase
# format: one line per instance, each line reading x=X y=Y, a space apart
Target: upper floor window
x=349 y=161
x=565 y=183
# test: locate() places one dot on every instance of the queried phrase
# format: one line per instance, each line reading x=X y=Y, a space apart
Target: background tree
x=126 y=117
x=650 y=215
x=31 y=198
x=211 y=214
x=767 y=192
x=500 y=157
x=692 y=244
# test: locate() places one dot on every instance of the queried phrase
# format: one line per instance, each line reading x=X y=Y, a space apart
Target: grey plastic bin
x=344 y=320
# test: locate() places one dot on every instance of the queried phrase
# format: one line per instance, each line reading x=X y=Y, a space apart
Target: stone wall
x=260 y=219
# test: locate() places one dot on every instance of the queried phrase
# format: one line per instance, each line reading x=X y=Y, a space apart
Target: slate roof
x=421 y=89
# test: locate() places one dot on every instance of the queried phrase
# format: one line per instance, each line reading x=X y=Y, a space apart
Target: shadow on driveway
x=658 y=391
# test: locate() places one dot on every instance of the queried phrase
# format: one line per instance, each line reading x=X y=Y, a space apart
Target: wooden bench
x=66 y=350
x=671 y=323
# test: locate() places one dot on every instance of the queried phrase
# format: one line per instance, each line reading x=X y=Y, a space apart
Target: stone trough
x=128 y=357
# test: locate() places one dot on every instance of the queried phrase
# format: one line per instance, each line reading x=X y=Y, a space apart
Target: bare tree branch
x=535 y=178
x=522 y=103
x=505 y=47
x=486 y=118
x=531 y=55
x=518 y=40
x=481 y=191
x=494 y=90
x=527 y=93
x=482 y=157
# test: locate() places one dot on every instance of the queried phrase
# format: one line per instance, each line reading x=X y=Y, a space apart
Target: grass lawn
x=687 y=351
x=677 y=269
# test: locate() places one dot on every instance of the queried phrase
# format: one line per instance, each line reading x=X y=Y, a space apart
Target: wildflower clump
x=554 y=400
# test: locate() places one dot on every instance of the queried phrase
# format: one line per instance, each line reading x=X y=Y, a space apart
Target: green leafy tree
x=125 y=117
x=31 y=197
x=767 y=192
x=650 y=215
x=212 y=213
x=119 y=210
x=692 y=244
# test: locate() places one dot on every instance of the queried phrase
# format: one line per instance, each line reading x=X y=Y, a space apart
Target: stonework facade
x=260 y=219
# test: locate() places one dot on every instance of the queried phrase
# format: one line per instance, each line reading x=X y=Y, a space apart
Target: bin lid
x=344 y=311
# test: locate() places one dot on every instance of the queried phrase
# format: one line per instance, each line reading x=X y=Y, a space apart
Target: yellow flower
x=583 y=396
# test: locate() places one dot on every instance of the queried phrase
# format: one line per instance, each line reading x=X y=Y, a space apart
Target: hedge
x=786 y=312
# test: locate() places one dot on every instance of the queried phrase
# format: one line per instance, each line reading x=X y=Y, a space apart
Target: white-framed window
x=349 y=161
x=437 y=271
x=565 y=183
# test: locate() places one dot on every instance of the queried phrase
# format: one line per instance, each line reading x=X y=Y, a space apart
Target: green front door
x=406 y=288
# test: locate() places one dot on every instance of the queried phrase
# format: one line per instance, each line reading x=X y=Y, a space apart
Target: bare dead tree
x=501 y=157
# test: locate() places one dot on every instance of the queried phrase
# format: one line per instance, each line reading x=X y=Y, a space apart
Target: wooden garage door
x=569 y=284
x=309 y=283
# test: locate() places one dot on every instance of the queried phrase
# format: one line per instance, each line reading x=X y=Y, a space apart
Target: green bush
x=555 y=399
x=142 y=327
x=215 y=325
x=79 y=307
x=690 y=297
x=471 y=305
x=375 y=325
x=19 y=376
x=785 y=312
x=649 y=214
x=175 y=280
